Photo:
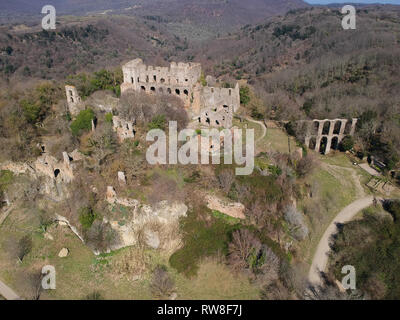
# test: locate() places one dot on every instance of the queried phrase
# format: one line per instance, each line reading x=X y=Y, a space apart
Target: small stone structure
x=59 y=170
x=121 y=178
x=63 y=253
x=73 y=99
x=124 y=129
x=211 y=106
x=324 y=135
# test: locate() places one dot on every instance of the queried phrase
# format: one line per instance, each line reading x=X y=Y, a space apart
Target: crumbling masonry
x=324 y=135
x=73 y=99
x=210 y=106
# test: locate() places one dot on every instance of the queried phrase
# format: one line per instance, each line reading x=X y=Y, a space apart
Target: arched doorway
x=338 y=125
x=323 y=144
x=335 y=143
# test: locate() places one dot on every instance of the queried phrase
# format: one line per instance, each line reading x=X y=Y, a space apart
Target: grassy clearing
x=215 y=281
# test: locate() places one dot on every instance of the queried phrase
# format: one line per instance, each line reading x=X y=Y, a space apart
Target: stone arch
x=230 y=92
x=347 y=128
x=143 y=88
x=132 y=81
x=313 y=143
x=208 y=120
x=155 y=78
x=326 y=127
x=217 y=122
x=336 y=129
x=335 y=143
x=186 y=92
x=56 y=173
x=147 y=79
x=153 y=89
x=178 y=92
x=323 y=144
x=169 y=90
x=162 y=80
x=161 y=90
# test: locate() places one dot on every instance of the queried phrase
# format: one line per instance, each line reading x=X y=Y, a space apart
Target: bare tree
x=161 y=285
x=243 y=245
x=225 y=179
x=296 y=222
x=24 y=247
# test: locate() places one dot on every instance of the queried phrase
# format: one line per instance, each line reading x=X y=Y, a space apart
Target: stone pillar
x=121 y=178
x=328 y=145
x=320 y=127
x=342 y=127
x=317 y=144
x=111 y=195
x=353 y=126
x=307 y=141
x=331 y=127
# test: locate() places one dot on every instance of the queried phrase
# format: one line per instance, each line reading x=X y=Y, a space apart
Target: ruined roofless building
x=210 y=106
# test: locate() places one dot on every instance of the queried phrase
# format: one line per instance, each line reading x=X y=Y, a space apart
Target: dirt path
x=264 y=128
x=320 y=259
x=7 y=292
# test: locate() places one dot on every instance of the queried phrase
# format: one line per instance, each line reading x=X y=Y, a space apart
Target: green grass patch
x=201 y=239
x=227 y=219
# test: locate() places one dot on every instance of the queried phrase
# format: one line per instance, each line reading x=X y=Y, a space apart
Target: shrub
x=298 y=227
x=161 y=285
x=244 y=95
x=86 y=217
x=347 y=143
x=158 y=122
x=109 y=117
x=24 y=246
x=200 y=240
x=83 y=122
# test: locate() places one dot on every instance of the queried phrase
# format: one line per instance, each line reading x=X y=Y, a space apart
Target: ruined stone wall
x=73 y=99
x=124 y=129
x=324 y=135
x=212 y=106
x=218 y=105
x=177 y=79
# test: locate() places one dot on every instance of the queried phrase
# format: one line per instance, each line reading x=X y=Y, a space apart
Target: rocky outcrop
x=149 y=221
x=146 y=220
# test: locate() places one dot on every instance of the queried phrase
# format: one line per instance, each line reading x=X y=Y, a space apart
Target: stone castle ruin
x=324 y=135
x=210 y=106
x=73 y=99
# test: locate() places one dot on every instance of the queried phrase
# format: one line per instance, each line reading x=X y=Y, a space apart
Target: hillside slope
x=304 y=65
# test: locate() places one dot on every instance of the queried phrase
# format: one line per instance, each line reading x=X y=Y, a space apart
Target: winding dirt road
x=264 y=128
x=7 y=292
x=320 y=259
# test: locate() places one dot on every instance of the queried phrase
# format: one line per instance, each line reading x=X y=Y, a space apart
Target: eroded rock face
x=233 y=209
x=150 y=221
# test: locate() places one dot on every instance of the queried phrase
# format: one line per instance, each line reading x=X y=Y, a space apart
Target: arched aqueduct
x=324 y=135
